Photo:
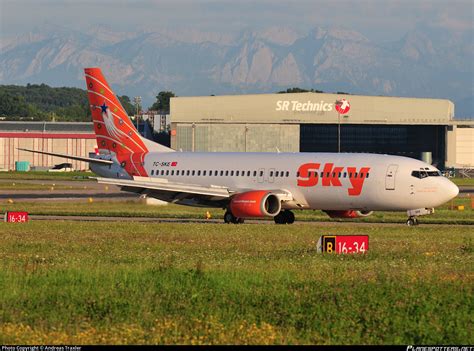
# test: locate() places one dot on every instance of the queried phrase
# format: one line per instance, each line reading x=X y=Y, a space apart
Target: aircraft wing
x=78 y=158
x=170 y=191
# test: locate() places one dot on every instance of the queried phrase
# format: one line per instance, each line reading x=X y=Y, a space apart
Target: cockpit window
x=423 y=174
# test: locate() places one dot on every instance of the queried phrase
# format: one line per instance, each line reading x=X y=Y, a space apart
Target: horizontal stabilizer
x=78 y=158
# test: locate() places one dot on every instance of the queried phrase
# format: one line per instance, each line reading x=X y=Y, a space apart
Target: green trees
x=163 y=101
x=299 y=90
x=44 y=103
x=127 y=104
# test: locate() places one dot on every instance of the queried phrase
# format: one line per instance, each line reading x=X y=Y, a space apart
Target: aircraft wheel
x=280 y=218
x=229 y=217
x=240 y=220
x=411 y=222
x=290 y=217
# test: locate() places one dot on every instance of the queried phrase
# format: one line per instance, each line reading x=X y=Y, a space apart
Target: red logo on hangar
x=343 y=106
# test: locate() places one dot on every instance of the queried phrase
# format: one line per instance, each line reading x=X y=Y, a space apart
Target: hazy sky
x=377 y=19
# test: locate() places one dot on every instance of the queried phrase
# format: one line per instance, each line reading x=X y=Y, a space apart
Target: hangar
x=318 y=122
x=62 y=137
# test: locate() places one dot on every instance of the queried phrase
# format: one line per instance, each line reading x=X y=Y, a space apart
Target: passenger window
x=187 y=172
x=287 y=173
x=167 y=172
x=203 y=173
x=172 y=172
x=261 y=173
x=193 y=172
x=339 y=175
x=222 y=173
x=226 y=173
x=298 y=174
x=152 y=171
x=361 y=175
x=248 y=173
x=231 y=173
x=345 y=174
x=199 y=173
x=271 y=173
x=367 y=175
x=254 y=173
x=237 y=173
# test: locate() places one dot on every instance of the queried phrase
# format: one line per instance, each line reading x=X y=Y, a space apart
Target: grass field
x=46 y=175
x=87 y=283
x=16 y=186
x=463 y=181
x=131 y=208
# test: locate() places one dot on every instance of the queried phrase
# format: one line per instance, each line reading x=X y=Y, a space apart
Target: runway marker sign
x=16 y=217
x=343 y=244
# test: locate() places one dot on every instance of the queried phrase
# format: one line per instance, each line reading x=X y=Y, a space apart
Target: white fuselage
x=327 y=181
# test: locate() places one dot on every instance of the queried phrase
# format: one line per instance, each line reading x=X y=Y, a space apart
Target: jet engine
x=348 y=214
x=258 y=203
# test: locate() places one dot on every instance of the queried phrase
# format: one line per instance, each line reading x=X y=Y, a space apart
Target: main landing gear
x=230 y=218
x=284 y=217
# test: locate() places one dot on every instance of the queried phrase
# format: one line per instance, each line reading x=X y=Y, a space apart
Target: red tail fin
x=113 y=128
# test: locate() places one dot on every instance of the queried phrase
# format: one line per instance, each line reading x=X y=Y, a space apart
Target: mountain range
x=426 y=62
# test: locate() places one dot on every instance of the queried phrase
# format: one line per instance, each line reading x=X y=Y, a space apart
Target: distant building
x=311 y=122
x=63 y=137
x=158 y=121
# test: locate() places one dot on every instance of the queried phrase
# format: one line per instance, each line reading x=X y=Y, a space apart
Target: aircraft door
x=390 y=177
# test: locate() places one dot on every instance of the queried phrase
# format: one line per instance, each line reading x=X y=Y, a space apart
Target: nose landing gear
x=412 y=221
x=412 y=214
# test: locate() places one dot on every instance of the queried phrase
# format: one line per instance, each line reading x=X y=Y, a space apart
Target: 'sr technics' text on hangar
x=309 y=122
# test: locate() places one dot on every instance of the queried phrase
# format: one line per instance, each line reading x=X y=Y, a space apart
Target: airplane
x=256 y=185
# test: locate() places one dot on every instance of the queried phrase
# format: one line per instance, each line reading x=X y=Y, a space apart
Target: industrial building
x=62 y=137
x=314 y=122
x=306 y=122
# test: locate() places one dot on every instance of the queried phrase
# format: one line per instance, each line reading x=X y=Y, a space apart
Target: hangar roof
x=311 y=108
x=46 y=127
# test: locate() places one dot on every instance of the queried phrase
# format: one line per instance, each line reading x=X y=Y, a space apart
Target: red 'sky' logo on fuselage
x=308 y=175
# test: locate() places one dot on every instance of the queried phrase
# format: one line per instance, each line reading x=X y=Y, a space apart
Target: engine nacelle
x=348 y=214
x=258 y=203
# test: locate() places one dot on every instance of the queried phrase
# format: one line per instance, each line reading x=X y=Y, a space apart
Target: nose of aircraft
x=450 y=190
